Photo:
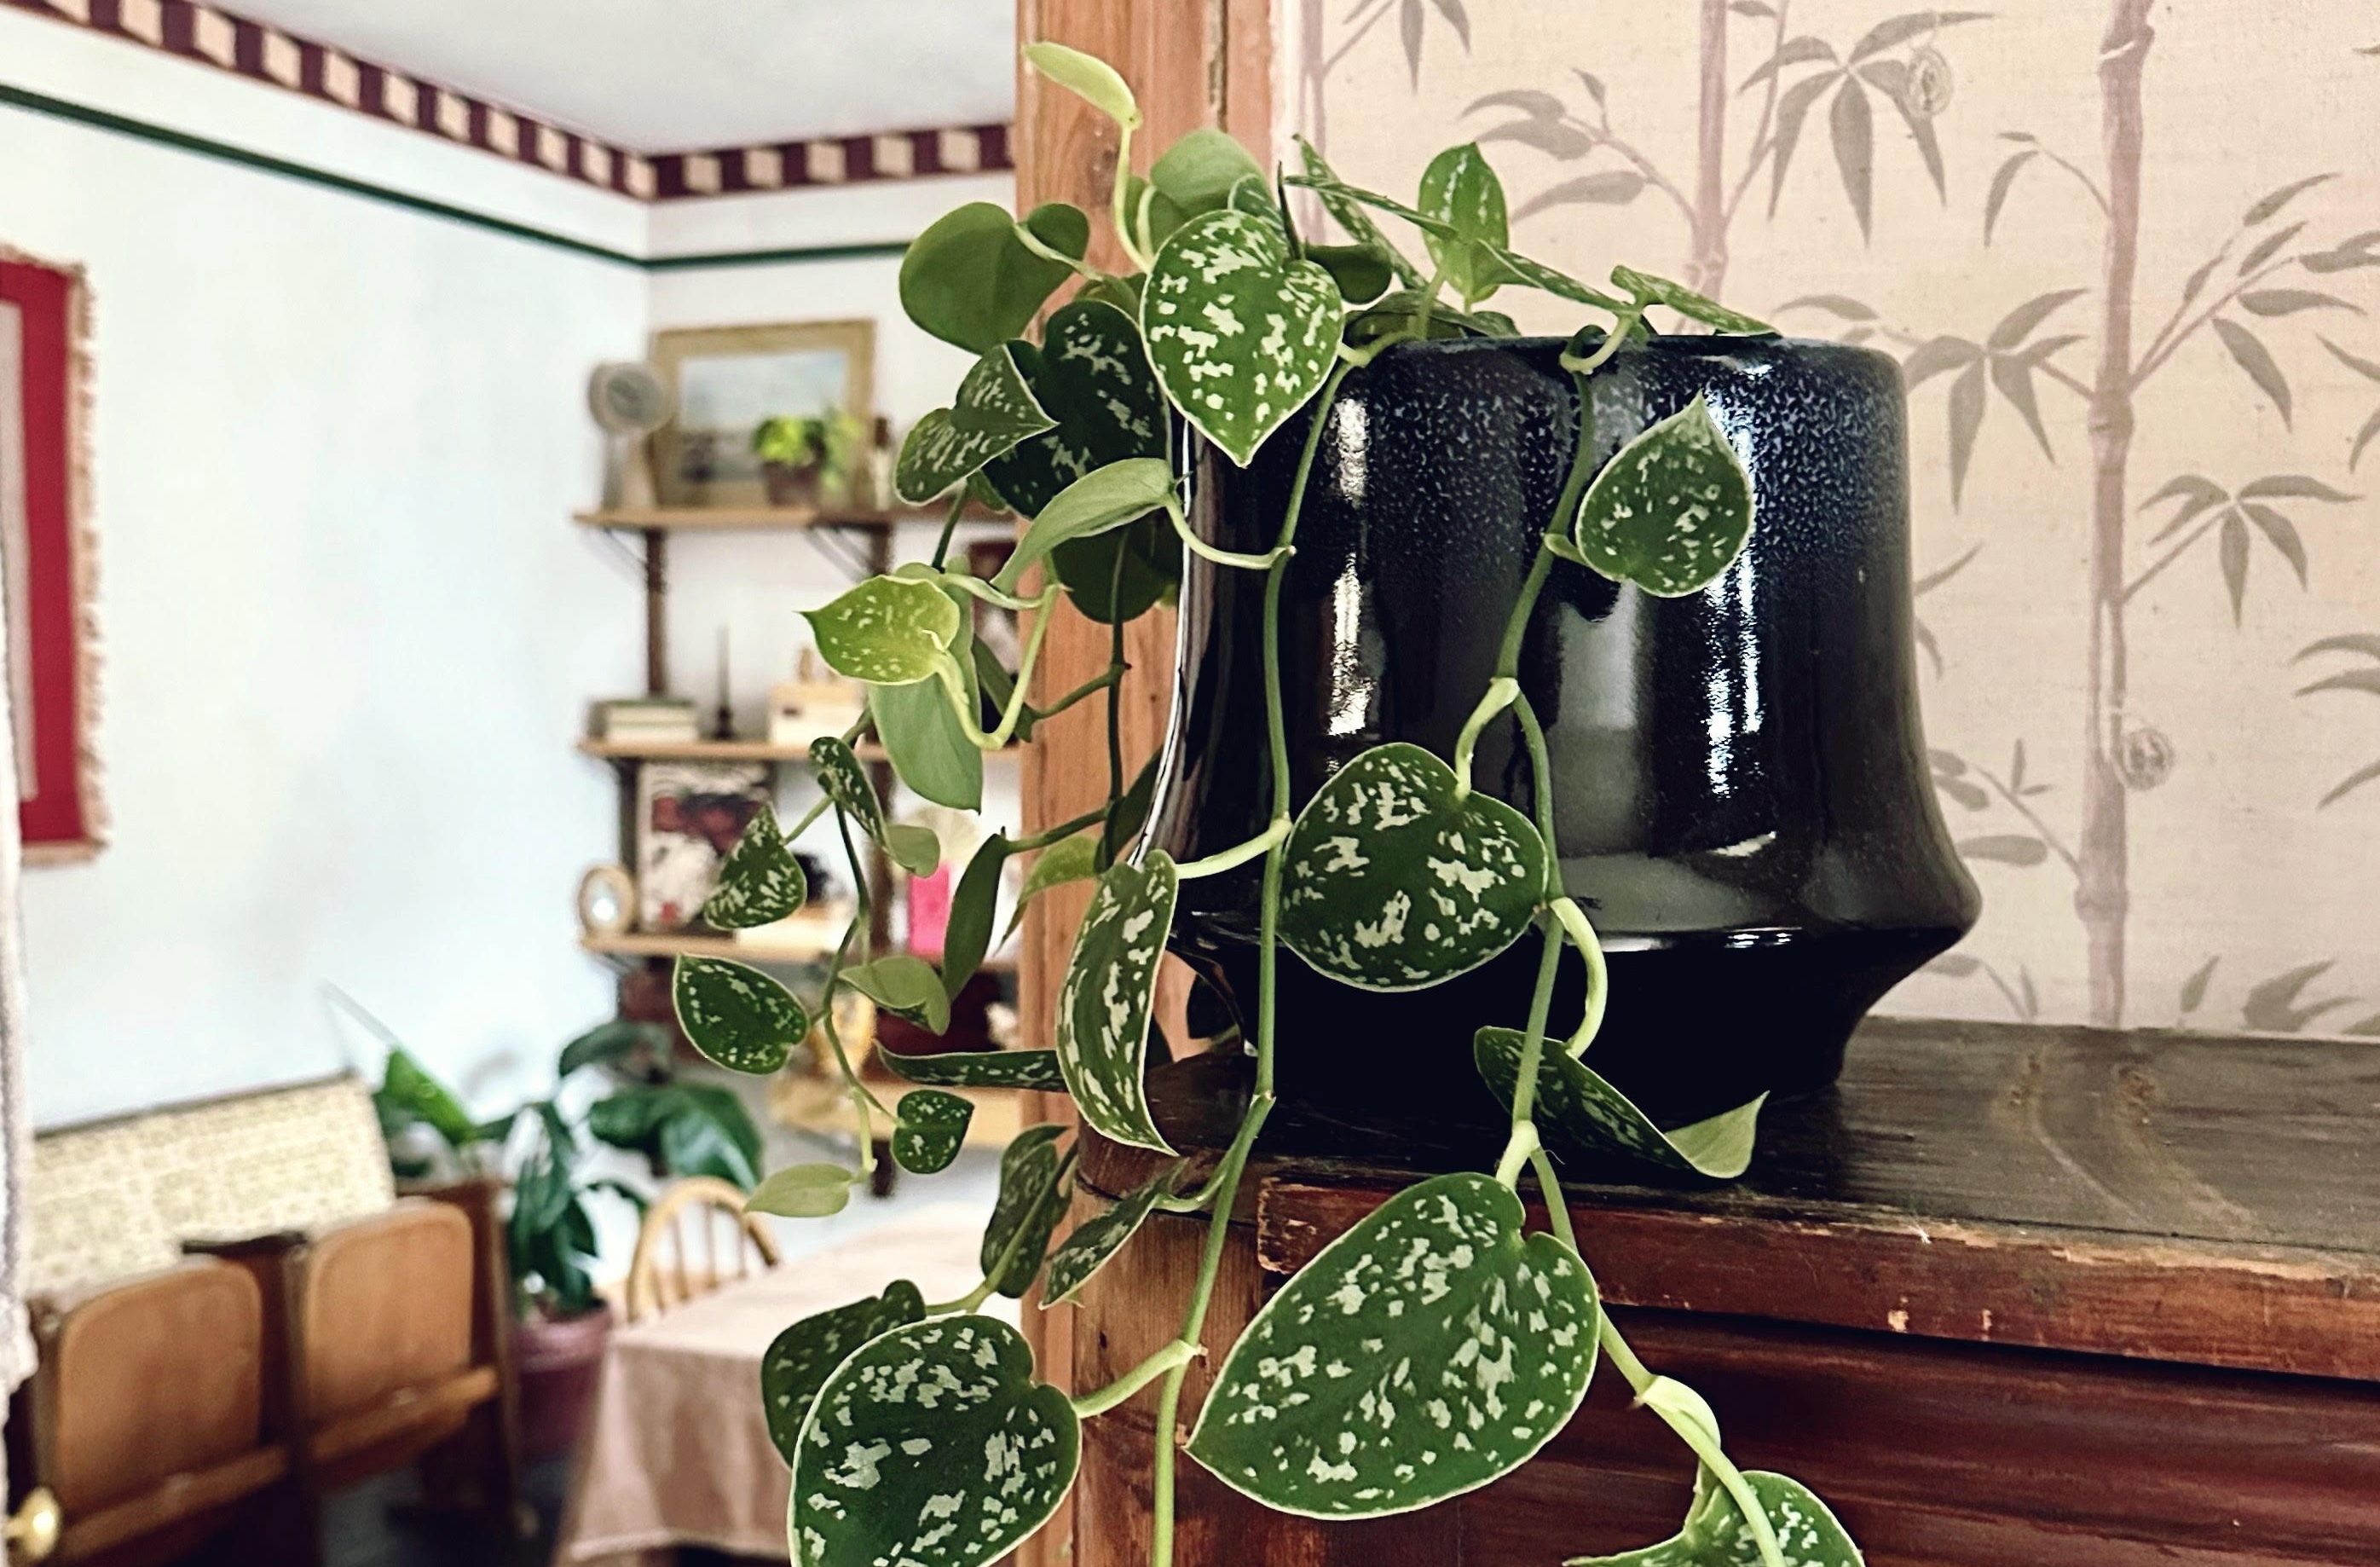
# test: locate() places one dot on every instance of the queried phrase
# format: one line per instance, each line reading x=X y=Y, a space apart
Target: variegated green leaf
x=933 y=1446
x=1395 y=882
x=1715 y=1534
x=844 y=782
x=1350 y=213
x=799 y=1360
x=1034 y=1188
x=1107 y=997
x=803 y=1191
x=1428 y=1351
x=980 y=1069
x=1551 y=280
x=1671 y=511
x=1100 y=1237
x=930 y=1128
x=1093 y=377
x=1582 y=1116
x=906 y=984
x=1649 y=289
x=995 y=409
x=1461 y=190
x=737 y=1016
x=1241 y=332
x=887 y=631
x=761 y=882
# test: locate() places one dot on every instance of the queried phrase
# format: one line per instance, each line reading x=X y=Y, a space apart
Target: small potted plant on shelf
x=807 y=458
x=677 y=1127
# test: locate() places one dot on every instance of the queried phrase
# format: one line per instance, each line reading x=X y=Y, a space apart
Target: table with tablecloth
x=677 y=1453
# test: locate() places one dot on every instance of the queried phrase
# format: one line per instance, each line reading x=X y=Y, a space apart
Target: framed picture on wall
x=688 y=816
x=47 y=548
x=727 y=379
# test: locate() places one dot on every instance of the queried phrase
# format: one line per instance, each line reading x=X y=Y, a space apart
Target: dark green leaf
x=803 y=1191
x=702 y=1137
x=1671 y=511
x=1648 y=289
x=759 y=883
x=1151 y=569
x=1198 y=172
x=1428 y=1351
x=980 y=1069
x=904 y=984
x=1100 y=1237
x=930 y=1130
x=1241 y=332
x=1395 y=882
x=1109 y=991
x=1093 y=377
x=969 y=280
x=608 y=1042
x=933 y=1446
x=1582 y=1116
x=887 y=631
x=1362 y=273
x=1033 y=1194
x=1717 y=1535
x=1350 y=214
x=409 y=1095
x=967 y=934
x=995 y=411
x=799 y=1360
x=737 y=1016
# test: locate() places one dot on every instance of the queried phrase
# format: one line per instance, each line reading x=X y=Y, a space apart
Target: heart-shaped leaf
x=1089 y=78
x=1103 y=498
x=1107 y=997
x=975 y=903
x=1033 y=1194
x=803 y=1191
x=1430 y=1349
x=995 y=409
x=1151 y=569
x=887 y=631
x=1362 y=273
x=906 y=984
x=970 y=280
x=799 y=1360
x=1093 y=378
x=923 y=740
x=1068 y=859
x=1241 y=334
x=1649 y=289
x=1715 y=1534
x=980 y=1069
x=1670 y=512
x=1395 y=882
x=933 y=1446
x=1199 y=171
x=844 y=782
x=1100 y=1237
x=759 y=881
x=737 y=1016
x=1462 y=191
x=1583 y=1117
x=930 y=1128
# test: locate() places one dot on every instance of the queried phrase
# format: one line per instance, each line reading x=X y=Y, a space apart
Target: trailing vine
x=1438 y=1344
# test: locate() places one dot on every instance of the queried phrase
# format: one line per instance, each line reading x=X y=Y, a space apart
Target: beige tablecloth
x=678 y=1451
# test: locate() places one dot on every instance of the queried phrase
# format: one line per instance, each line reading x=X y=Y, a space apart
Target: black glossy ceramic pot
x=1741 y=797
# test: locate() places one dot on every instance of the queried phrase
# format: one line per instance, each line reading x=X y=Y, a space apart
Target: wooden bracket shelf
x=733 y=750
x=664 y=943
x=765 y=519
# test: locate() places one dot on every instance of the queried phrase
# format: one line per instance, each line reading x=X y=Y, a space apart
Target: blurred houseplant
x=677 y=1127
x=807 y=458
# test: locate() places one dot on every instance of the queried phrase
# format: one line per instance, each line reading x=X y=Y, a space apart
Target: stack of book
x=649 y=720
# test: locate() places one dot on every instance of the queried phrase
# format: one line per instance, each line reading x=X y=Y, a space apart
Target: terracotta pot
x=1742 y=795
x=557 y=1360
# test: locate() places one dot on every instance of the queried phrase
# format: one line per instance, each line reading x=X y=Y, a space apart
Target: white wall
x=347 y=627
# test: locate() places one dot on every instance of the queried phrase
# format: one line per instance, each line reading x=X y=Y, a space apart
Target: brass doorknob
x=33 y=1533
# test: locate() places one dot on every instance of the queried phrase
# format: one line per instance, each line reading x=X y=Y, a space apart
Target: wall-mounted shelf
x=764 y=519
x=733 y=750
x=664 y=944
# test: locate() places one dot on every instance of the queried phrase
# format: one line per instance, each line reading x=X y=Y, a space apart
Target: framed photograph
x=688 y=816
x=47 y=542
x=727 y=379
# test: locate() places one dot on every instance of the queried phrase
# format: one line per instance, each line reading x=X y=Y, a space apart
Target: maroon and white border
x=266 y=53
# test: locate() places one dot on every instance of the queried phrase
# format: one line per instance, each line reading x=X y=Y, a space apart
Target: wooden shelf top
x=765 y=519
x=664 y=944
x=2178 y=1196
x=733 y=750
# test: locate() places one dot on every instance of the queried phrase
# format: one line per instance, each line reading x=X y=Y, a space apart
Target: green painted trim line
x=223 y=151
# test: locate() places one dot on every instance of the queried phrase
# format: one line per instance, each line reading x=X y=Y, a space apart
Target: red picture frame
x=45 y=510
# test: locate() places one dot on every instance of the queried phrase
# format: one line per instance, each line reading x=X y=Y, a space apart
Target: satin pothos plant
x=1440 y=1342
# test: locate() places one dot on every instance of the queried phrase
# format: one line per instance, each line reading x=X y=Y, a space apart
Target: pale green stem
x=955 y=685
x=976 y=586
x=1032 y=242
x=1237 y=855
x=1575 y=924
x=1501 y=693
x=1557 y=1208
x=1705 y=1444
x=1000 y=1263
x=1088 y=689
x=1609 y=345
x=1175 y=1353
x=1198 y=546
x=1117 y=215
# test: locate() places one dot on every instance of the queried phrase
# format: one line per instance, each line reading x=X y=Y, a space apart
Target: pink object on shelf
x=929 y=912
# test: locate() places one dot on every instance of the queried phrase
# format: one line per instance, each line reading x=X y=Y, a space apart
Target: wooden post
x=1190 y=63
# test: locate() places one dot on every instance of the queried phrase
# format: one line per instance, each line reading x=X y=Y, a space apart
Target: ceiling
x=657 y=75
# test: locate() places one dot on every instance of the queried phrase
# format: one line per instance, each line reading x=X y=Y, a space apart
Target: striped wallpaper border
x=261 y=52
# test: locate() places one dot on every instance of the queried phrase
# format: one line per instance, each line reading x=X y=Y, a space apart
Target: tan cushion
x=149 y=1378
x=385 y=1305
x=91 y=1217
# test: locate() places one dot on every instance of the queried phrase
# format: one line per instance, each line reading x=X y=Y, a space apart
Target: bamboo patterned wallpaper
x=2128 y=254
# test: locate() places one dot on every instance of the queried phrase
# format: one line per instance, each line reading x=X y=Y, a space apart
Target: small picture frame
x=727 y=379
x=688 y=816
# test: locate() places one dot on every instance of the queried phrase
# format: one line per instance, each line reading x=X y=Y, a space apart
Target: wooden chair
x=661 y=1274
